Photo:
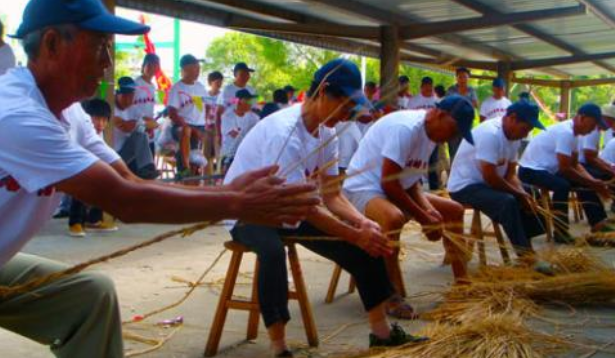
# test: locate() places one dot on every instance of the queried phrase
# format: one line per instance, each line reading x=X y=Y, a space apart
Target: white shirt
x=231 y=122
x=36 y=152
x=541 y=152
x=349 y=136
x=211 y=108
x=399 y=137
x=188 y=100
x=283 y=136
x=421 y=102
x=7 y=58
x=130 y=114
x=608 y=153
x=490 y=146
x=364 y=127
x=589 y=142
x=608 y=135
x=227 y=97
x=403 y=101
x=494 y=108
x=145 y=98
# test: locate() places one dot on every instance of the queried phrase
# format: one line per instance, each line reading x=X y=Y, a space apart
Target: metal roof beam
x=329 y=29
x=365 y=11
x=558 y=61
x=532 y=31
x=267 y=10
x=482 y=65
x=600 y=11
x=420 y=30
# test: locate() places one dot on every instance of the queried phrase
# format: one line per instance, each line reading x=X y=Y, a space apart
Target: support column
x=389 y=63
x=564 y=103
x=506 y=74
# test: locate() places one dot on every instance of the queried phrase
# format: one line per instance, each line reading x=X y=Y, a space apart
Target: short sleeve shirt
x=233 y=123
x=471 y=94
x=188 y=100
x=399 y=137
x=421 y=102
x=226 y=99
x=282 y=138
x=349 y=136
x=129 y=114
x=36 y=152
x=589 y=142
x=494 y=108
x=608 y=153
x=542 y=151
x=490 y=146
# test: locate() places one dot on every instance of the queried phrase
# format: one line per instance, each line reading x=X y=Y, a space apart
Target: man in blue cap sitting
x=484 y=176
x=68 y=48
x=302 y=140
x=551 y=161
x=385 y=182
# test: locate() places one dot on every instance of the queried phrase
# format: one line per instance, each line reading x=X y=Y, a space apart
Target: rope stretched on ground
x=8 y=291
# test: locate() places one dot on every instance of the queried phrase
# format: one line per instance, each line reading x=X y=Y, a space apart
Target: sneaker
x=76 y=230
x=544 y=268
x=565 y=239
x=101 y=227
x=398 y=337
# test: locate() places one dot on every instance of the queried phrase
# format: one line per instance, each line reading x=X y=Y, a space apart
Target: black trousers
x=80 y=213
x=369 y=273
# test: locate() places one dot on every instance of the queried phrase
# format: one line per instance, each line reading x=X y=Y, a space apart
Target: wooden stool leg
x=254 y=318
x=477 y=226
x=546 y=204
x=352 y=285
x=215 y=333
x=335 y=279
x=304 y=302
x=575 y=207
x=501 y=243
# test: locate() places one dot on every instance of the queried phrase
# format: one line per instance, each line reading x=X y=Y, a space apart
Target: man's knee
x=98 y=285
x=510 y=203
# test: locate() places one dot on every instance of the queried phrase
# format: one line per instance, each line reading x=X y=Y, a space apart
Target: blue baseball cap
x=462 y=111
x=85 y=14
x=345 y=75
x=594 y=111
x=125 y=85
x=150 y=58
x=188 y=60
x=242 y=66
x=527 y=112
x=499 y=83
x=244 y=94
x=427 y=81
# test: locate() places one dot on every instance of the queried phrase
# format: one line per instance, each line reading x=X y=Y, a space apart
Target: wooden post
x=564 y=104
x=110 y=77
x=389 y=63
x=505 y=73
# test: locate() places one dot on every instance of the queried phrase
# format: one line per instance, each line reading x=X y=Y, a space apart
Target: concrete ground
x=148 y=279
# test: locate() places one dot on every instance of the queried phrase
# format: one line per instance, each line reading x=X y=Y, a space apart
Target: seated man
x=130 y=140
x=235 y=124
x=589 y=146
x=484 y=177
x=551 y=161
x=187 y=112
x=301 y=139
x=391 y=160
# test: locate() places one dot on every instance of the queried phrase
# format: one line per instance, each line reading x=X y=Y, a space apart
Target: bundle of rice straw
x=573 y=260
x=495 y=336
x=600 y=239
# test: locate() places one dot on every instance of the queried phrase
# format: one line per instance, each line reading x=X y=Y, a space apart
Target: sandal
x=398 y=308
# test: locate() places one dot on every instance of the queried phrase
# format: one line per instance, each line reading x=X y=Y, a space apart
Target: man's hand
x=263 y=199
x=432 y=225
x=372 y=240
x=528 y=203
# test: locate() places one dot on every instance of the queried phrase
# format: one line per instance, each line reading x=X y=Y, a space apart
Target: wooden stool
x=478 y=232
x=335 y=279
x=577 y=207
x=545 y=200
x=227 y=301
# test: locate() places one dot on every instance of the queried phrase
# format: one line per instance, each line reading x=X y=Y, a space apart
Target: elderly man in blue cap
x=77 y=316
x=484 y=176
x=303 y=141
x=551 y=161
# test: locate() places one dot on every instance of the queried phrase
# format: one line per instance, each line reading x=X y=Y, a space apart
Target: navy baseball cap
x=462 y=111
x=290 y=88
x=427 y=81
x=594 y=111
x=244 y=94
x=403 y=79
x=126 y=85
x=188 y=60
x=85 y=14
x=499 y=83
x=527 y=112
x=241 y=66
x=345 y=75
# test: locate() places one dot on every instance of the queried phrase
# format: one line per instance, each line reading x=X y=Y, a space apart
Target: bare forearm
x=342 y=208
x=399 y=197
x=330 y=225
x=579 y=175
x=600 y=164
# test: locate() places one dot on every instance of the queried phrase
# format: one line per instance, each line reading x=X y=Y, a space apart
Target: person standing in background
x=403 y=95
x=462 y=88
x=211 y=144
x=7 y=58
x=496 y=105
x=145 y=97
